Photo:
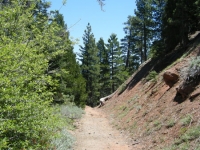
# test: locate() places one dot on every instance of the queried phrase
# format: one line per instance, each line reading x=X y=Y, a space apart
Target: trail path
x=95 y=133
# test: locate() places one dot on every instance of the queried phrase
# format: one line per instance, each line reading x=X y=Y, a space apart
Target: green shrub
x=191 y=134
x=186 y=120
x=71 y=111
x=151 y=76
x=122 y=88
x=194 y=69
x=170 y=123
x=64 y=140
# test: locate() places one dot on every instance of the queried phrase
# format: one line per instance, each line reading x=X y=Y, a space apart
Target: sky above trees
x=77 y=14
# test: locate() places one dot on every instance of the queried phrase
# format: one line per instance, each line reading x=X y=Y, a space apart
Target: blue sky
x=103 y=23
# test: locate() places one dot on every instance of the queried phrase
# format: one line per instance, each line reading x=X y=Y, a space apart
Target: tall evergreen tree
x=129 y=45
x=158 y=7
x=144 y=18
x=180 y=19
x=105 y=88
x=117 y=65
x=90 y=66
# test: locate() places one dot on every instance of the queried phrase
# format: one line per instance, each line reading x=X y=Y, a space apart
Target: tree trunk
x=145 y=43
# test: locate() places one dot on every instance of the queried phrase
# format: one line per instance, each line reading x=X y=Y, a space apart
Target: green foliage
x=90 y=66
x=151 y=76
x=157 y=49
x=29 y=46
x=122 y=88
x=195 y=62
x=194 y=69
x=64 y=140
x=117 y=69
x=186 y=120
x=183 y=143
x=71 y=111
x=191 y=134
x=104 y=69
x=170 y=123
x=180 y=19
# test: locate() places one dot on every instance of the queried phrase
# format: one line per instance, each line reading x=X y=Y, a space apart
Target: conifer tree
x=105 y=88
x=180 y=19
x=144 y=18
x=90 y=66
x=129 y=45
x=117 y=65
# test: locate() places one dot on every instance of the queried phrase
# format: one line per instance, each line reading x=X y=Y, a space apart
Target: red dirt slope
x=154 y=114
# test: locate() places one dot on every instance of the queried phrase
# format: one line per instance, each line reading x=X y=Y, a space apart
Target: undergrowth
x=152 y=76
x=63 y=139
x=184 y=142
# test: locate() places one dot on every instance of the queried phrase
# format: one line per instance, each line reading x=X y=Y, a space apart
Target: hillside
x=157 y=113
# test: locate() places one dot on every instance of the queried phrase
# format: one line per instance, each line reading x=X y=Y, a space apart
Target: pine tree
x=90 y=66
x=129 y=45
x=105 y=88
x=180 y=19
x=117 y=65
x=144 y=17
x=158 y=7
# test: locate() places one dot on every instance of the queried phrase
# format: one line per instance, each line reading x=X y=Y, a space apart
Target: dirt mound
x=155 y=113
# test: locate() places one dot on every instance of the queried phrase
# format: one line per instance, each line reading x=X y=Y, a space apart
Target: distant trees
x=102 y=66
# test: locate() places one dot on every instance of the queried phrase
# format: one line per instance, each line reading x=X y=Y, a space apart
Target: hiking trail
x=94 y=132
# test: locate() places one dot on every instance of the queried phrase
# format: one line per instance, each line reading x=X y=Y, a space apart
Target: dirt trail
x=95 y=133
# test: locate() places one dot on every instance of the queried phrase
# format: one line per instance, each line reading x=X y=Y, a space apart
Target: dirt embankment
x=153 y=112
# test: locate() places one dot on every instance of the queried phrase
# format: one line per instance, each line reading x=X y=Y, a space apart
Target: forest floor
x=95 y=132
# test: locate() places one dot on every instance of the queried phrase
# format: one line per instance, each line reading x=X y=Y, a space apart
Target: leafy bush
x=27 y=43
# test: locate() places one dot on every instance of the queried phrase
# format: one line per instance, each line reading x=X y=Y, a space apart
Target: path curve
x=95 y=133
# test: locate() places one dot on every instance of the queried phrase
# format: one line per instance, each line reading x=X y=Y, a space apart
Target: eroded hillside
x=152 y=112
